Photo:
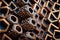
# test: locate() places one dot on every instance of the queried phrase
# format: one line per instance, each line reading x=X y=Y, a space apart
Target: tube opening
x=18 y=28
x=30 y=10
x=13 y=18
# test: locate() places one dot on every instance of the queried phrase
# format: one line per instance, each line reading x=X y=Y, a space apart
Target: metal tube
x=12 y=18
x=17 y=28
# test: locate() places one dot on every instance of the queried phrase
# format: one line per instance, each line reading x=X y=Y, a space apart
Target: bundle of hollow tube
x=29 y=19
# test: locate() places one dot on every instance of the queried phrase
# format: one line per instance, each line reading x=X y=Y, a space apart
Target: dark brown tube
x=17 y=28
x=30 y=35
x=25 y=12
x=27 y=26
x=12 y=18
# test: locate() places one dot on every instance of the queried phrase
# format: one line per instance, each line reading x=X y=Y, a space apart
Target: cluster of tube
x=29 y=19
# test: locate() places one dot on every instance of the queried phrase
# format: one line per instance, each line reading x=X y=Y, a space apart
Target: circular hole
x=33 y=21
x=18 y=28
x=32 y=1
x=13 y=18
x=36 y=31
x=41 y=32
x=38 y=25
x=40 y=17
x=30 y=10
x=37 y=7
x=31 y=34
x=36 y=16
x=25 y=0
